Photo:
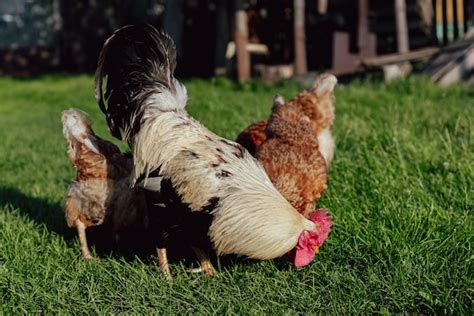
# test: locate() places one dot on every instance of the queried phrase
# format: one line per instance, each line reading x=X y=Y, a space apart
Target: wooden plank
x=457 y=69
x=398 y=58
x=451 y=62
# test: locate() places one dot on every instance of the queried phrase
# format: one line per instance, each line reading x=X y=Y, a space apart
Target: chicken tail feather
x=137 y=63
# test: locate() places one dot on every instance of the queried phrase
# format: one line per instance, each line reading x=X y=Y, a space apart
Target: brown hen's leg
x=206 y=265
x=163 y=263
x=81 y=231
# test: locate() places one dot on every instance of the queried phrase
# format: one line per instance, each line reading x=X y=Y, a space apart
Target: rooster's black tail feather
x=136 y=61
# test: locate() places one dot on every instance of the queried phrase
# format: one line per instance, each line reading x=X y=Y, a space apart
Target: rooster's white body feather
x=251 y=218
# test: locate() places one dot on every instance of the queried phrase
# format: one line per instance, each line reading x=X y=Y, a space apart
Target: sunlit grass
x=401 y=192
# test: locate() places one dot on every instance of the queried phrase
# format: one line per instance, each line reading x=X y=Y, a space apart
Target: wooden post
x=363 y=29
x=460 y=17
x=402 y=27
x=241 y=39
x=449 y=12
x=322 y=6
x=300 y=37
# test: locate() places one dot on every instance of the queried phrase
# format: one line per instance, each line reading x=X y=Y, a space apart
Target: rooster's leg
x=163 y=263
x=206 y=265
x=81 y=231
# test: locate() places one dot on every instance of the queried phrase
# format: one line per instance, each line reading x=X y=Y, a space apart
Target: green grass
x=401 y=192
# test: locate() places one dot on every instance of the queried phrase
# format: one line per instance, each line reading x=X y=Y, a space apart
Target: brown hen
x=291 y=157
x=100 y=193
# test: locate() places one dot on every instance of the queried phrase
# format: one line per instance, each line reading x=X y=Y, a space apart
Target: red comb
x=324 y=221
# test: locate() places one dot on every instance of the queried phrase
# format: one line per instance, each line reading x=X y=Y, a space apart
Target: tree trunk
x=300 y=38
x=241 y=39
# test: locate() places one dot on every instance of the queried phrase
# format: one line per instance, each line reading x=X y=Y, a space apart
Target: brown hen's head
x=318 y=103
x=77 y=128
x=92 y=156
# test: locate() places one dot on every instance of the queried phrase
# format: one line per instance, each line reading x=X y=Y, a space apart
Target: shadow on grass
x=51 y=216
x=133 y=244
x=228 y=261
x=39 y=210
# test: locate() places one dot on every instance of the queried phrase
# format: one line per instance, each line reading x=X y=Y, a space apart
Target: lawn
x=400 y=190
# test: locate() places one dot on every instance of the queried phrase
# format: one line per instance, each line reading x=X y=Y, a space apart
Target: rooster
x=317 y=104
x=216 y=195
x=100 y=194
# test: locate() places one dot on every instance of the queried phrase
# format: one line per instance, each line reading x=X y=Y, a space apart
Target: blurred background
x=241 y=39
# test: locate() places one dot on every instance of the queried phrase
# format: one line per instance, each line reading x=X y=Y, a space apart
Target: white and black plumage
x=213 y=190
